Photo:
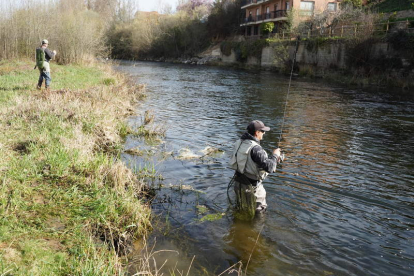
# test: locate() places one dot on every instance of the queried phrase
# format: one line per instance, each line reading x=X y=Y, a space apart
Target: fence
x=351 y=30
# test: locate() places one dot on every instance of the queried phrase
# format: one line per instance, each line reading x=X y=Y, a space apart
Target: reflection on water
x=341 y=203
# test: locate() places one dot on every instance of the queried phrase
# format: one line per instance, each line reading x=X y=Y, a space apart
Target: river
x=341 y=204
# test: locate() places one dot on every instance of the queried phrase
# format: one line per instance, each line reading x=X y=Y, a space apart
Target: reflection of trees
x=313 y=132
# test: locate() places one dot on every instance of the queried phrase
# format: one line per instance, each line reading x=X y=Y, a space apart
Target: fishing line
x=287 y=95
x=231 y=183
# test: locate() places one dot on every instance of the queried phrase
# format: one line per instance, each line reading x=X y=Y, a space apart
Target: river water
x=341 y=204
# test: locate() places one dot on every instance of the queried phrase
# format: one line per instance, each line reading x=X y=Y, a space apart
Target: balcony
x=249 y=3
x=279 y=13
x=272 y=16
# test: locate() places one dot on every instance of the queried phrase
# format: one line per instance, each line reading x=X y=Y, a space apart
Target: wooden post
x=342 y=30
x=388 y=27
x=330 y=31
x=309 y=33
x=355 y=31
x=408 y=24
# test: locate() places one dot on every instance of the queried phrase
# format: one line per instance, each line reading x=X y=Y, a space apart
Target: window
x=331 y=6
x=287 y=6
x=306 y=8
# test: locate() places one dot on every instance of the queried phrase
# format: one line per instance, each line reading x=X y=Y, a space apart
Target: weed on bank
x=68 y=206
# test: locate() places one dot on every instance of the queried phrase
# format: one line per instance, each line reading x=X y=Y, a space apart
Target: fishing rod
x=284 y=115
x=287 y=95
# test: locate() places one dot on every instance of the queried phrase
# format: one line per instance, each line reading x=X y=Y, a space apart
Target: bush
x=224 y=19
x=401 y=41
x=252 y=49
x=266 y=28
x=360 y=55
x=75 y=32
x=227 y=46
x=394 y=5
x=313 y=44
x=352 y=3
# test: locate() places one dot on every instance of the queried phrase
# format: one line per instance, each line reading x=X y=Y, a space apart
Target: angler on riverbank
x=43 y=58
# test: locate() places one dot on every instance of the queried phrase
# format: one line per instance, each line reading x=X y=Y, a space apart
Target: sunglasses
x=262 y=131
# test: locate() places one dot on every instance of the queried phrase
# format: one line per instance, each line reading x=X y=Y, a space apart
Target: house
x=256 y=12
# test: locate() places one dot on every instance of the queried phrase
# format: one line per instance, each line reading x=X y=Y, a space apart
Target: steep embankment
x=68 y=206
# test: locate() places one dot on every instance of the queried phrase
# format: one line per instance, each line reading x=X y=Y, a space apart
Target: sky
x=155 y=5
x=143 y=5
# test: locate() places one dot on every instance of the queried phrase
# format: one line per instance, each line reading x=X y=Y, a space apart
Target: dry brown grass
x=59 y=160
x=149 y=117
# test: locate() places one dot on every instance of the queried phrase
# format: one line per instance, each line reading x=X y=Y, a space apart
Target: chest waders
x=243 y=188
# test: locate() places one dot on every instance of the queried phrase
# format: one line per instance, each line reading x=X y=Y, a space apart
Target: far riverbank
x=367 y=63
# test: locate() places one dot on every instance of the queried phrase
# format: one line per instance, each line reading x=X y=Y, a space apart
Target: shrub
x=401 y=40
x=266 y=28
x=75 y=32
x=352 y=3
x=226 y=47
x=360 y=55
x=252 y=48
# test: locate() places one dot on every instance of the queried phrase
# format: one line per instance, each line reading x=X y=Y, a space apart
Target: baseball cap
x=44 y=41
x=257 y=125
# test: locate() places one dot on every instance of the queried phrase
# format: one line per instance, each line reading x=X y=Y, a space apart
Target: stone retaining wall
x=329 y=55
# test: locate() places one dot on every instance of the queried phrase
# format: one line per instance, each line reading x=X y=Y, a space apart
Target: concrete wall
x=229 y=59
x=268 y=57
x=329 y=55
x=332 y=54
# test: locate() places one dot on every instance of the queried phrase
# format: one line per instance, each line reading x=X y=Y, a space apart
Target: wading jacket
x=250 y=159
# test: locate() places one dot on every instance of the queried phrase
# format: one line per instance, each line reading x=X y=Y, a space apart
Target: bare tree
x=76 y=32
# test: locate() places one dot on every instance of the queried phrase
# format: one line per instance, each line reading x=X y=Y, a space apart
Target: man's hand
x=280 y=157
x=54 y=51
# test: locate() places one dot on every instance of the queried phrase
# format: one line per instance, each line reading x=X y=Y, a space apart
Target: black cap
x=257 y=125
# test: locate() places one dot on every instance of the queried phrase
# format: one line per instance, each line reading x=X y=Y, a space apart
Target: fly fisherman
x=252 y=165
x=43 y=57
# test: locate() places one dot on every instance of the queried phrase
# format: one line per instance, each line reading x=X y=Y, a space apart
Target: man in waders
x=43 y=57
x=252 y=165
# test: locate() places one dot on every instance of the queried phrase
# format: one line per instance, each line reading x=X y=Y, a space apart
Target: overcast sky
x=154 y=5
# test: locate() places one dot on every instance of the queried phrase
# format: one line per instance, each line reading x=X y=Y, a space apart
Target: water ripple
x=342 y=202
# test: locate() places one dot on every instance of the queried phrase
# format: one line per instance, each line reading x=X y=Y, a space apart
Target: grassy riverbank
x=67 y=204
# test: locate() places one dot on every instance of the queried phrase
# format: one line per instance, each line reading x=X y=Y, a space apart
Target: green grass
x=394 y=5
x=66 y=201
x=18 y=77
